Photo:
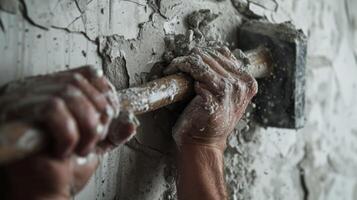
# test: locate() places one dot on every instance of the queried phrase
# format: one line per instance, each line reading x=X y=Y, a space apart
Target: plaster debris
x=198 y=20
x=182 y=44
x=240 y=177
x=243 y=7
x=201 y=18
x=267 y=161
x=114 y=62
x=271 y=5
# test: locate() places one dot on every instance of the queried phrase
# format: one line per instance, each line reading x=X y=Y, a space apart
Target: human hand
x=223 y=91
x=75 y=108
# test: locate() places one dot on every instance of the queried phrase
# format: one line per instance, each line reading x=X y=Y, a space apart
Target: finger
x=225 y=51
x=201 y=72
x=85 y=114
x=52 y=113
x=235 y=66
x=121 y=131
x=203 y=91
x=229 y=64
x=83 y=169
x=251 y=83
x=96 y=77
x=123 y=128
x=82 y=108
x=93 y=75
x=87 y=118
x=62 y=126
x=172 y=68
x=208 y=59
x=52 y=87
x=98 y=99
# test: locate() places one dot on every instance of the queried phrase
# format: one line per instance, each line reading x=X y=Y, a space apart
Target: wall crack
x=302 y=177
x=155 y=5
x=2 y=27
x=75 y=32
x=24 y=12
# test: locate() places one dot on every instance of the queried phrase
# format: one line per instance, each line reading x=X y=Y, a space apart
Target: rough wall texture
x=126 y=38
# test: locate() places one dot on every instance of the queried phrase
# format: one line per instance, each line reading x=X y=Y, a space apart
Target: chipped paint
x=127 y=39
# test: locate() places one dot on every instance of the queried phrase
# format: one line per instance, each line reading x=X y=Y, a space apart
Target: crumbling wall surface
x=126 y=38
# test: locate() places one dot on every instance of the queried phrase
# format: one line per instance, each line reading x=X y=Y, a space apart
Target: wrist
x=200 y=173
x=198 y=144
x=195 y=148
x=200 y=156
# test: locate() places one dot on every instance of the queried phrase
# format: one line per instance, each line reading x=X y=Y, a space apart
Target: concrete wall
x=317 y=162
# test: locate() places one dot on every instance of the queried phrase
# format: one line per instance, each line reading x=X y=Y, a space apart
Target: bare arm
x=201 y=173
x=77 y=109
x=223 y=92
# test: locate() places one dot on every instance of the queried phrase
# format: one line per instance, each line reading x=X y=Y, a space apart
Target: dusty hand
x=223 y=92
x=75 y=108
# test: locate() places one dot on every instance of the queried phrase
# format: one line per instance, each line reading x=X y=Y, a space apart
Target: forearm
x=201 y=173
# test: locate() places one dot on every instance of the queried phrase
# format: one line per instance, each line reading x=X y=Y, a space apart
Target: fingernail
x=109 y=111
x=76 y=93
x=78 y=76
x=107 y=115
x=96 y=72
x=100 y=129
x=80 y=161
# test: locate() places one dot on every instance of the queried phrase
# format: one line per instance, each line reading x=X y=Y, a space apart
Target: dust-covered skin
x=223 y=91
x=76 y=109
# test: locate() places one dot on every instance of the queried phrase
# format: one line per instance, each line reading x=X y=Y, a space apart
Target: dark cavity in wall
x=114 y=63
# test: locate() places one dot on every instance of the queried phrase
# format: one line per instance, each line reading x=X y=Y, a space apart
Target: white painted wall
x=274 y=163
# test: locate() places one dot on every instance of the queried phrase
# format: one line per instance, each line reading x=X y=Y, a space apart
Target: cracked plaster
x=317 y=162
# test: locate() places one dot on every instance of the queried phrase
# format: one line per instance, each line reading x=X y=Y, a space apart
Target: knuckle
x=71 y=90
x=49 y=166
x=227 y=86
x=252 y=85
x=241 y=87
x=55 y=104
x=95 y=72
x=93 y=124
x=70 y=139
x=76 y=78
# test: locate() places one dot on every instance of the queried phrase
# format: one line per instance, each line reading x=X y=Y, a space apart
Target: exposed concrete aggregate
x=127 y=39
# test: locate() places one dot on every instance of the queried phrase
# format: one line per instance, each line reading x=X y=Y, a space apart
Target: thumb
x=121 y=130
x=83 y=169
